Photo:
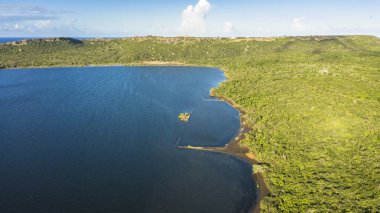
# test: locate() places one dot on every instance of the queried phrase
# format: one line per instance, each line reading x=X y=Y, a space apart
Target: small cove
x=103 y=139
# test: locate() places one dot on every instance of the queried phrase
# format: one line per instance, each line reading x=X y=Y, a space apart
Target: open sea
x=12 y=39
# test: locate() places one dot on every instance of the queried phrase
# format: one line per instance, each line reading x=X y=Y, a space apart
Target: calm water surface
x=103 y=139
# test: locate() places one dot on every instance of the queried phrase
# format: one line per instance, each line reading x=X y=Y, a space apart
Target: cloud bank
x=228 y=27
x=297 y=23
x=32 y=20
x=194 y=18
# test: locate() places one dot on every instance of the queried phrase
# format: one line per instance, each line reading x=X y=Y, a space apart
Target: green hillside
x=313 y=104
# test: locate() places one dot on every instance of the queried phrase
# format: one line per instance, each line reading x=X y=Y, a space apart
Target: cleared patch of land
x=312 y=105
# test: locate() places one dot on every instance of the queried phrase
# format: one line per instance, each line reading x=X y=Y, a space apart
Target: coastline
x=233 y=147
x=302 y=129
x=137 y=64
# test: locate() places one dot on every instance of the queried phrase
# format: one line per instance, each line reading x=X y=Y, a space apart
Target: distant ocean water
x=12 y=39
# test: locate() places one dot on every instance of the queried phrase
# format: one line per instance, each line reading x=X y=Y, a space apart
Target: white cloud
x=297 y=23
x=19 y=26
x=228 y=27
x=43 y=24
x=194 y=18
x=31 y=20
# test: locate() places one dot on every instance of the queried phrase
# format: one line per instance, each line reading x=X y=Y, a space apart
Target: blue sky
x=27 y=18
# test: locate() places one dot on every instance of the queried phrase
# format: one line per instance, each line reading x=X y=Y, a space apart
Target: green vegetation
x=184 y=117
x=312 y=103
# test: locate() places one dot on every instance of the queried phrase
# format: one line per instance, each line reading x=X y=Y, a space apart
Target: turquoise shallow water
x=103 y=139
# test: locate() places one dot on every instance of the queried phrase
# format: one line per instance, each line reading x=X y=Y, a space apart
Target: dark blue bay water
x=103 y=139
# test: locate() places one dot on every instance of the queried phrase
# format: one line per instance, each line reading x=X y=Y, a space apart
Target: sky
x=227 y=18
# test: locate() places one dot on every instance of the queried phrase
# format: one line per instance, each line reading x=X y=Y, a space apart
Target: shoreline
x=233 y=147
x=136 y=64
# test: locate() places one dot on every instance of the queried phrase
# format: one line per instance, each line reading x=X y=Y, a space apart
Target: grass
x=312 y=103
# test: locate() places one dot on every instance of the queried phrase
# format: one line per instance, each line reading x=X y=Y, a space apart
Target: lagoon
x=104 y=139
